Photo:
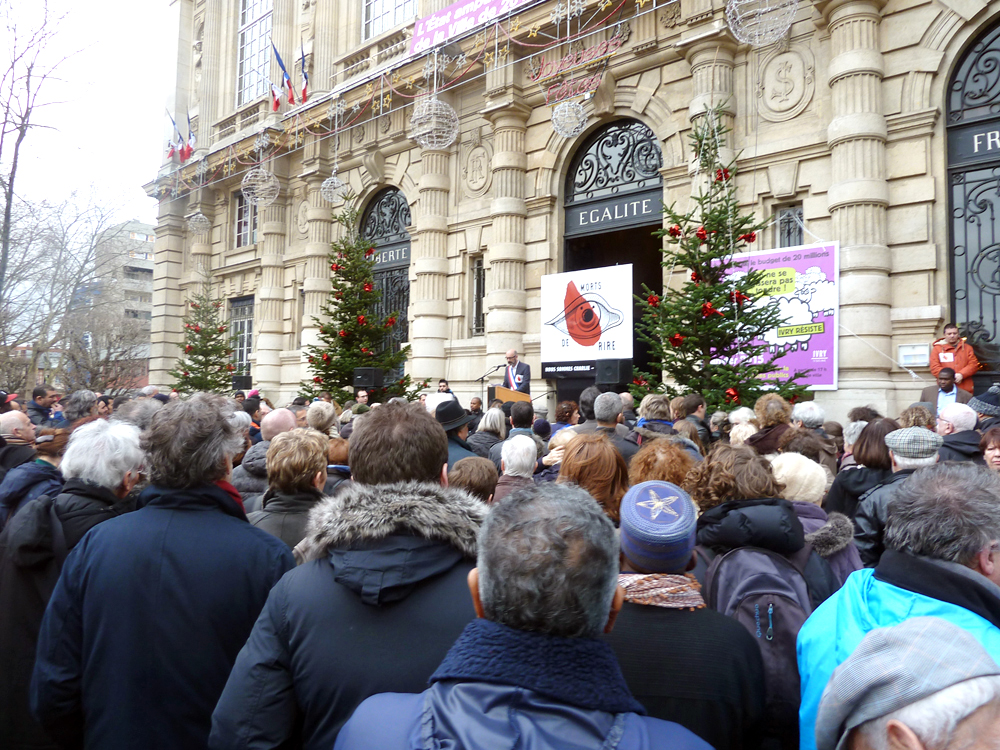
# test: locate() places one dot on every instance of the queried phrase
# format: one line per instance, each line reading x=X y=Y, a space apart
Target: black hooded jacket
x=848 y=487
x=962 y=446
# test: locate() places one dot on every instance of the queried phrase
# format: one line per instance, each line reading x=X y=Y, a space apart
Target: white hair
x=434 y=400
x=935 y=718
x=149 y=390
x=241 y=420
x=519 y=455
x=853 y=431
x=743 y=415
x=102 y=453
x=961 y=416
x=809 y=413
x=902 y=462
x=740 y=432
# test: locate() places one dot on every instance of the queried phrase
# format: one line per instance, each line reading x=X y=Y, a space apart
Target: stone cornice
x=911 y=124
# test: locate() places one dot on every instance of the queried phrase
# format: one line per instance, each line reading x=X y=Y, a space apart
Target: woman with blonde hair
x=593 y=463
x=774 y=418
x=322 y=416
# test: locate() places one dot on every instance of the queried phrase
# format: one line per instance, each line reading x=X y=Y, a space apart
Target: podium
x=505 y=394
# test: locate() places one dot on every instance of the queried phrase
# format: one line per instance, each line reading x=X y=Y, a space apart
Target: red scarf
x=234 y=493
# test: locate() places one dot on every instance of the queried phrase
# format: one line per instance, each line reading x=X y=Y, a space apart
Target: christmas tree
x=208 y=346
x=351 y=334
x=706 y=334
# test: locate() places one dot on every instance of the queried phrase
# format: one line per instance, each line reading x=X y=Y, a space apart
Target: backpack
x=769 y=595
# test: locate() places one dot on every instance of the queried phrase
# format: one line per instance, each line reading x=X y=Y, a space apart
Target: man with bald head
x=517 y=375
x=19 y=434
x=250 y=477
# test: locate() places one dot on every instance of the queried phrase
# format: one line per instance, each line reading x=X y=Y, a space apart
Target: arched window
x=384 y=222
x=622 y=157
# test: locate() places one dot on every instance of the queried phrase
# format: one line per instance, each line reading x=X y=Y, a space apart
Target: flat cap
x=894 y=667
x=914 y=442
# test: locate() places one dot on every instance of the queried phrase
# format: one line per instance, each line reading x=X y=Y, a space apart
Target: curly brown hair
x=593 y=463
x=917 y=416
x=772 y=409
x=731 y=472
x=660 y=460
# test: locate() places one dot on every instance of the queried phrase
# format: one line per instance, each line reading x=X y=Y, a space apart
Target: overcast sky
x=109 y=123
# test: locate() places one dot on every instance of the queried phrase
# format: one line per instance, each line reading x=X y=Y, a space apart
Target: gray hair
x=718 y=419
x=494 y=422
x=434 y=400
x=323 y=417
x=149 y=390
x=519 y=455
x=935 y=719
x=740 y=432
x=138 y=412
x=102 y=453
x=276 y=422
x=810 y=414
x=949 y=511
x=961 y=416
x=240 y=419
x=743 y=415
x=548 y=562
x=607 y=407
x=191 y=442
x=79 y=405
x=853 y=431
x=902 y=462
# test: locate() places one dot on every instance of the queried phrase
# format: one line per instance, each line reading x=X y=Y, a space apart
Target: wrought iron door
x=385 y=223
x=974 y=195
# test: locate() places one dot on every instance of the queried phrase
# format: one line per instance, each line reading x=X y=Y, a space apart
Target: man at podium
x=517 y=375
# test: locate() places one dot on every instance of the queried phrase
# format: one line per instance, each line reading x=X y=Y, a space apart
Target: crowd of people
x=219 y=572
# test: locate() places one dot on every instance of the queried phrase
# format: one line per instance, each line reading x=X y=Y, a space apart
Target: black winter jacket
x=250 y=477
x=962 y=446
x=29 y=568
x=376 y=606
x=482 y=441
x=873 y=512
x=14 y=455
x=285 y=515
x=848 y=487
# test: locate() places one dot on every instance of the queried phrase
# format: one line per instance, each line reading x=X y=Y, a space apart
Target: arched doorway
x=974 y=195
x=384 y=223
x=614 y=202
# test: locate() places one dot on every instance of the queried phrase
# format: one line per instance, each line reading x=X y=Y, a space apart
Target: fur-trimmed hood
x=836 y=534
x=364 y=513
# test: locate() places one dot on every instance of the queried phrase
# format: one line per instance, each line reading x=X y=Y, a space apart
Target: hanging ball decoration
x=569 y=119
x=760 y=22
x=434 y=123
x=333 y=189
x=260 y=187
x=199 y=223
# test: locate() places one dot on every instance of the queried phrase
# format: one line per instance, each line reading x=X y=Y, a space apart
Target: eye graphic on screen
x=585 y=316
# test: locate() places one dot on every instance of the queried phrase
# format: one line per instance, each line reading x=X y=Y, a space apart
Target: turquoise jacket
x=837 y=626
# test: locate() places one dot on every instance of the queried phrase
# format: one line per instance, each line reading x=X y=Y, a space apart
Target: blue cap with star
x=658 y=527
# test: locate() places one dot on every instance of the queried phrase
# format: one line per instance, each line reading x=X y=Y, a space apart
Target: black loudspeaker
x=613 y=372
x=242 y=382
x=367 y=377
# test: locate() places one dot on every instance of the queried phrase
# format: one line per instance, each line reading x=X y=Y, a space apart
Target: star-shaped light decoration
x=605 y=4
x=387 y=101
x=502 y=54
x=641 y=3
x=479 y=41
x=409 y=83
x=515 y=25
x=533 y=31
x=396 y=77
x=369 y=88
x=488 y=58
x=657 y=505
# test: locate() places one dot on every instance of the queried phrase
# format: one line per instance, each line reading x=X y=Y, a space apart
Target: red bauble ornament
x=369 y=252
x=339 y=295
x=364 y=349
x=749 y=237
x=361 y=320
x=390 y=321
x=675 y=230
x=317 y=379
x=738 y=297
x=653 y=300
x=188 y=348
x=701 y=234
x=194 y=305
x=732 y=396
x=326 y=357
x=696 y=277
x=187 y=374
x=311 y=360
x=343 y=334
x=335 y=266
x=368 y=287
x=676 y=340
x=707 y=310
x=721 y=175
x=222 y=329
x=230 y=368
x=197 y=329
x=639 y=382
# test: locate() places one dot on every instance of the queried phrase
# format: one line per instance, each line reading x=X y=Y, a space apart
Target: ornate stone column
x=712 y=62
x=211 y=74
x=168 y=301
x=428 y=303
x=858 y=198
x=316 y=283
x=270 y=293
x=506 y=298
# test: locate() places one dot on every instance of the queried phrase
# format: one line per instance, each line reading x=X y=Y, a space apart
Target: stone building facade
x=872 y=123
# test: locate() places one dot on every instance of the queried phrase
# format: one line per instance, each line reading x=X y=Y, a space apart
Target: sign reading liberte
x=458 y=18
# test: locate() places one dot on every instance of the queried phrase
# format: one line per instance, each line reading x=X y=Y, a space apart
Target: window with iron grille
x=252 y=79
x=241 y=326
x=478 y=296
x=246 y=222
x=382 y=15
x=790 y=226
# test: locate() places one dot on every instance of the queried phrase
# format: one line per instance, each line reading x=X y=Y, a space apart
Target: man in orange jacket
x=953 y=352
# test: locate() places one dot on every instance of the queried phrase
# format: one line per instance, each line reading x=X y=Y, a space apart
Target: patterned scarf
x=662 y=590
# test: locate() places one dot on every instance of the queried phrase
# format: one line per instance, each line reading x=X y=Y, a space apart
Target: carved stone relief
x=302 y=217
x=477 y=154
x=786 y=83
x=671 y=15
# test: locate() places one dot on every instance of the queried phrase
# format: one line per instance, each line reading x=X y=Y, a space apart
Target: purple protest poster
x=804 y=282
x=439 y=28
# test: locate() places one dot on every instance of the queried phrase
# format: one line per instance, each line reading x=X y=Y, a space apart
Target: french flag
x=305 y=76
x=275 y=98
x=286 y=80
x=187 y=150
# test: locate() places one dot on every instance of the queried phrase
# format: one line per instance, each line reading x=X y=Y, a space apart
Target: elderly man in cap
x=455 y=421
x=987 y=407
x=922 y=685
x=942 y=559
x=910 y=449
x=956 y=423
x=531 y=671
x=711 y=685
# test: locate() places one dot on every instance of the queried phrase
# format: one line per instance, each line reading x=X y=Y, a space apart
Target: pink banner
x=439 y=28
